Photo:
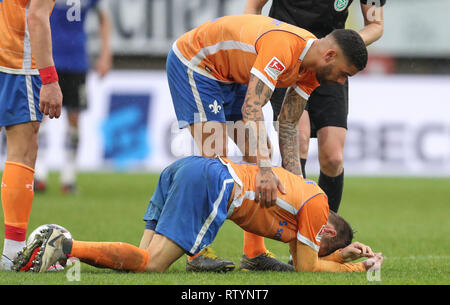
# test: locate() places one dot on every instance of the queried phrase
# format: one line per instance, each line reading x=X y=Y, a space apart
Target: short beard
x=322 y=74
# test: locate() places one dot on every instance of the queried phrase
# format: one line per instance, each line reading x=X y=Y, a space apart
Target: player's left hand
x=355 y=251
x=104 y=64
x=50 y=100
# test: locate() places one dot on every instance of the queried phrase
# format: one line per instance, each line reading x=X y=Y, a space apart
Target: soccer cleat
x=68 y=189
x=40 y=186
x=263 y=262
x=208 y=261
x=43 y=252
x=291 y=260
x=25 y=259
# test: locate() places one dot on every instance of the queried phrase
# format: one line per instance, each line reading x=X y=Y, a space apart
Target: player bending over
x=193 y=198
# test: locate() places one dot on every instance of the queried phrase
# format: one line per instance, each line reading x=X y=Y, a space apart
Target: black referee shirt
x=320 y=17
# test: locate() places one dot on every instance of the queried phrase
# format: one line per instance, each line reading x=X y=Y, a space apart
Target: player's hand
x=104 y=64
x=355 y=251
x=50 y=100
x=374 y=263
x=267 y=186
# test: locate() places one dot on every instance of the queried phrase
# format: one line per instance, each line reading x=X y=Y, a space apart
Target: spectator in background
x=325 y=115
x=71 y=61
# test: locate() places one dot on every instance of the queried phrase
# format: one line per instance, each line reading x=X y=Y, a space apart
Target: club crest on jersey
x=274 y=68
x=320 y=234
x=215 y=108
x=340 y=5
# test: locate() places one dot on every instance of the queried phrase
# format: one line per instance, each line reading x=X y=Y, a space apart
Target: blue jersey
x=68 y=35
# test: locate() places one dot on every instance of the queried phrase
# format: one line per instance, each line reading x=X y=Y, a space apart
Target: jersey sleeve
x=311 y=221
x=377 y=3
x=100 y=5
x=306 y=84
x=277 y=53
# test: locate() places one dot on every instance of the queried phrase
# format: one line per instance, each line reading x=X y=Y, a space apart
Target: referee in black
x=325 y=116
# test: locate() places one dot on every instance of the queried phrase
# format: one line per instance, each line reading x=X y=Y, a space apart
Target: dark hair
x=344 y=233
x=353 y=47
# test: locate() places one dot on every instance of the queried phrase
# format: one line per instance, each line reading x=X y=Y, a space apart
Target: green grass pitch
x=406 y=219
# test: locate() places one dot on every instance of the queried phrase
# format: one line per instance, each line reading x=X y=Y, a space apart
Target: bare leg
x=163 y=253
x=157 y=257
x=331 y=157
x=68 y=172
x=331 y=142
x=17 y=185
x=146 y=239
x=210 y=137
x=22 y=142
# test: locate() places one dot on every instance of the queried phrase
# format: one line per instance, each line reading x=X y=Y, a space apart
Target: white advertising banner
x=398 y=125
x=412 y=27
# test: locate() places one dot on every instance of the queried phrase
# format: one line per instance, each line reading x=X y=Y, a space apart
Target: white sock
x=11 y=247
x=68 y=172
x=41 y=168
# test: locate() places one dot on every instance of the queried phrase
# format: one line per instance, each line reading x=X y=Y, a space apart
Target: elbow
x=378 y=33
x=380 y=30
x=307 y=268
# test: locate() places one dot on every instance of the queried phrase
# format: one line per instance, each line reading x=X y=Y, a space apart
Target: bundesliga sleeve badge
x=274 y=68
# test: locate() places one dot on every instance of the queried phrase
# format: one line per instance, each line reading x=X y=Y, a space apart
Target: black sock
x=67 y=245
x=303 y=163
x=333 y=187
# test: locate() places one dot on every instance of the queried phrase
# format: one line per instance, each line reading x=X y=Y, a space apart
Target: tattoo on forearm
x=257 y=96
x=290 y=147
x=289 y=138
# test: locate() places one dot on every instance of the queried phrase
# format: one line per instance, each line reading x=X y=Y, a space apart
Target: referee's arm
x=254 y=6
x=373 y=23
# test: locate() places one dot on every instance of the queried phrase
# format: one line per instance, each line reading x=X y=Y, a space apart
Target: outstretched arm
x=350 y=253
x=267 y=184
x=373 y=23
x=288 y=134
x=254 y=6
x=306 y=259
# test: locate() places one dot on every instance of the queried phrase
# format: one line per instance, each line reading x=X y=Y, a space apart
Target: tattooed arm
x=267 y=183
x=291 y=111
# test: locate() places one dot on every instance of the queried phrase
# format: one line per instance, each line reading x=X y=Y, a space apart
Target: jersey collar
x=306 y=49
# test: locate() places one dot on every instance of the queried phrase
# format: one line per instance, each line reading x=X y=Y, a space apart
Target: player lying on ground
x=193 y=198
x=225 y=70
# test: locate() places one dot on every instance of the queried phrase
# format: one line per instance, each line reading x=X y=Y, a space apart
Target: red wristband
x=48 y=75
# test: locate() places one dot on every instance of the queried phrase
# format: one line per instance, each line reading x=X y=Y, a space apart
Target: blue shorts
x=19 y=99
x=190 y=202
x=197 y=98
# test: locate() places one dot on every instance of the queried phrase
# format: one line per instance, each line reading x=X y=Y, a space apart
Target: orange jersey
x=300 y=214
x=231 y=48
x=15 y=47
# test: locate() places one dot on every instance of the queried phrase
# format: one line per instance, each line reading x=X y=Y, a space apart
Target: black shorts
x=73 y=87
x=327 y=106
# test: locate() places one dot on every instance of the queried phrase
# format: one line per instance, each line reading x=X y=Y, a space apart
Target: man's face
x=334 y=69
x=328 y=234
x=324 y=247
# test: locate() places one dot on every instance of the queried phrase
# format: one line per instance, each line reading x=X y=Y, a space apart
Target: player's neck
x=310 y=61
